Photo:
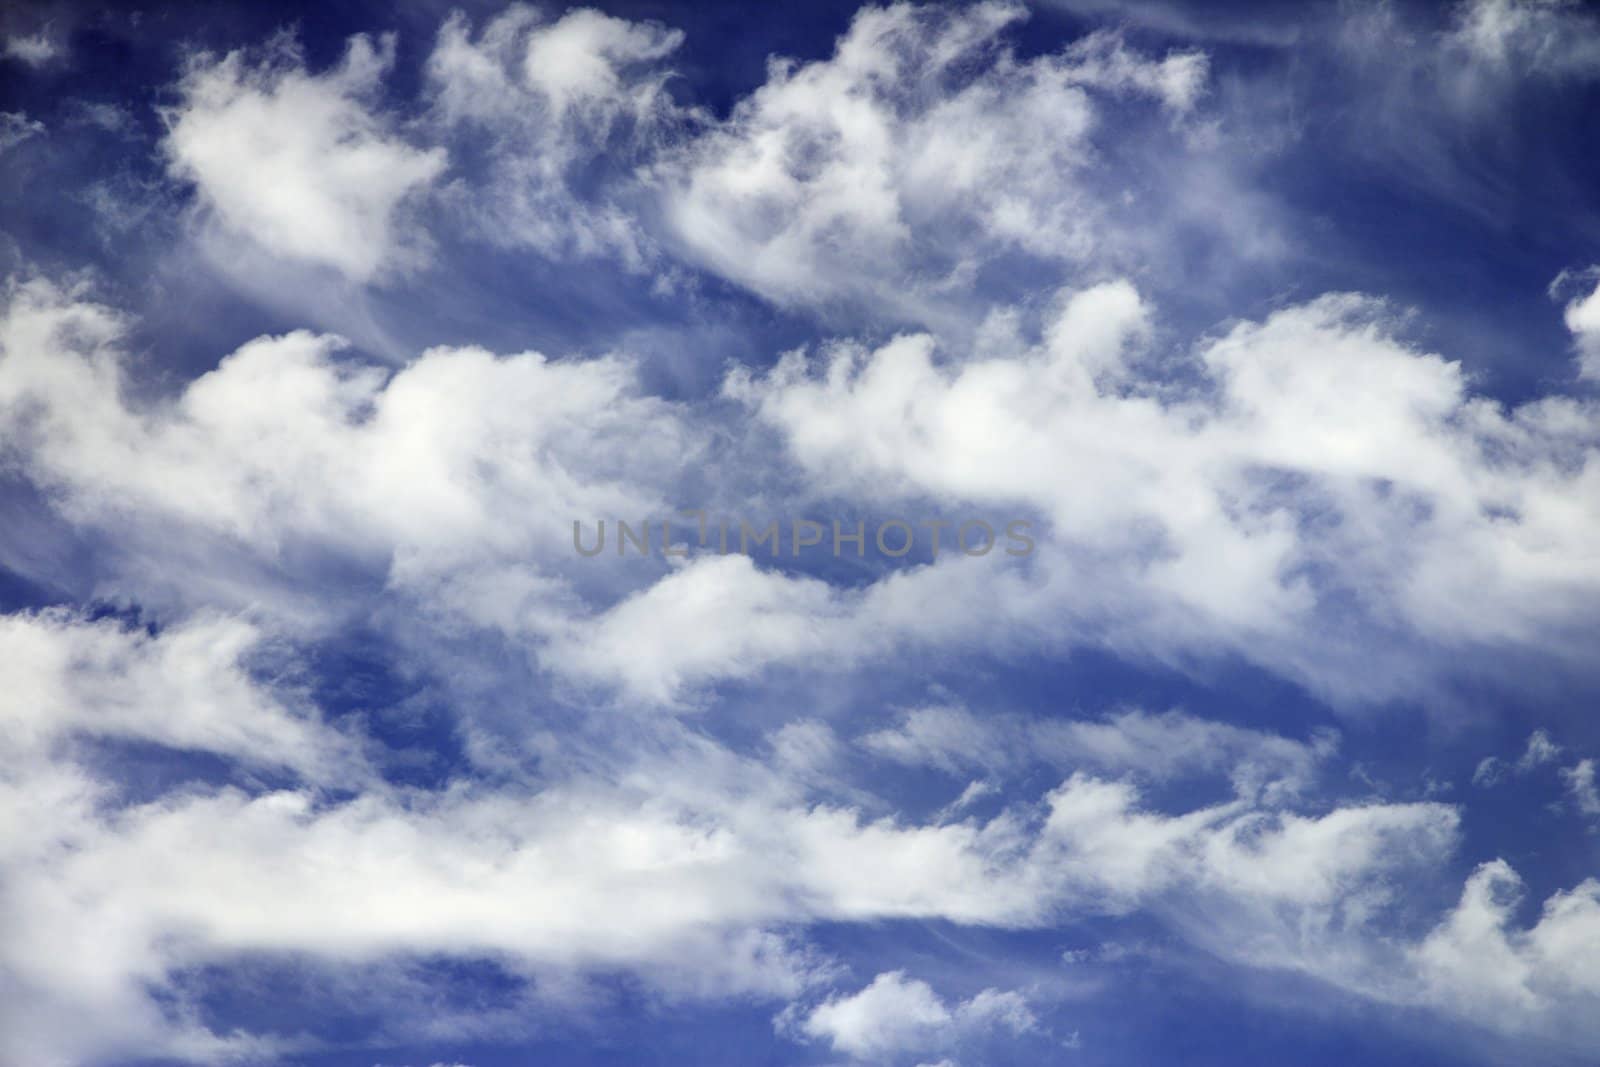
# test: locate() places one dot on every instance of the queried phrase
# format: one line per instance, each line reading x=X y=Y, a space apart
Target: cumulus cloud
x=1306 y=490
x=895 y=1015
x=451 y=475
x=1533 y=980
x=1583 y=319
x=1244 y=509
x=718 y=618
x=1243 y=504
x=303 y=165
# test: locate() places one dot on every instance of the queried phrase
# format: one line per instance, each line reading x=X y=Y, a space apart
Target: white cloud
x=1251 y=25
x=186 y=688
x=556 y=99
x=1468 y=957
x=1159 y=747
x=453 y=477
x=1490 y=772
x=1541 y=980
x=550 y=879
x=1434 y=95
x=733 y=851
x=100 y=115
x=1261 y=503
x=578 y=61
x=949 y=738
x=888 y=174
x=1580 y=780
x=16 y=127
x=1536 y=38
x=34 y=49
x=1316 y=460
x=1104 y=61
x=1308 y=491
x=713 y=619
x=1583 y=319
x=302 y=165
x=1540 y=751
x=896 y=1015
x=1248 y=510
x=890 y=1015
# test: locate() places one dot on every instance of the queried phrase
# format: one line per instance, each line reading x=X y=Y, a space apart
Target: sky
x=916 y=535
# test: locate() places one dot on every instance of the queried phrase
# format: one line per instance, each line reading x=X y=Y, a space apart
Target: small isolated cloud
x=110 y=117
x=1540 y=751
x=896 y=1015
x=1491 y=771
x=16 y=127
x=35 y=49
x=1580 y=781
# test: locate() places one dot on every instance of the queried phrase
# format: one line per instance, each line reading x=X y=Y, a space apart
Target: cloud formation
x=300 y=163
x=307 y=698
x=923 y=147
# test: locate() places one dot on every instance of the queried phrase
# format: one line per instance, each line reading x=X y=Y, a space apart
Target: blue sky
x=1276 y=330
